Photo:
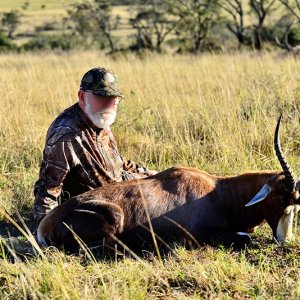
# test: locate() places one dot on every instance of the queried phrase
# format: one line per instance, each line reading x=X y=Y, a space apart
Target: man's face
x=101 y=110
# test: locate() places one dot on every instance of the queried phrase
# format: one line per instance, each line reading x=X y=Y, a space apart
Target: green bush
x=47 y=26
x=294 y=37
x=5 y=43
x=51 y=42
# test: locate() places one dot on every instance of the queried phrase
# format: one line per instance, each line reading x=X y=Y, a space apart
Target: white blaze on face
x=284 y=231
x=101 y=119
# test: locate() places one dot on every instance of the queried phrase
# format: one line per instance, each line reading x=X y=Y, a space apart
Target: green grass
x=216 y=113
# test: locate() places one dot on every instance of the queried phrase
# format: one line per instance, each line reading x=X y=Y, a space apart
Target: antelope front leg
x=91 y=220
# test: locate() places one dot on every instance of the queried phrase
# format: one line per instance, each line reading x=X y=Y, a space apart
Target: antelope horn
x=290 y=181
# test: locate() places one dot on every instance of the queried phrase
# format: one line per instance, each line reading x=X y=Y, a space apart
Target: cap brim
x=109 y=92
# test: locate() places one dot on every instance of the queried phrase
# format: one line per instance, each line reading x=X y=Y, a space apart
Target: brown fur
x=206 y=206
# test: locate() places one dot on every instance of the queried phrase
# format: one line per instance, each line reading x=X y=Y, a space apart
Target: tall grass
x=213 y=112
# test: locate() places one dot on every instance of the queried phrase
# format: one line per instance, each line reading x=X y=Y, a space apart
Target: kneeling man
x=80 y=152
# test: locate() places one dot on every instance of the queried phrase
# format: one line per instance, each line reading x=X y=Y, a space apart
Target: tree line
x=192 y=26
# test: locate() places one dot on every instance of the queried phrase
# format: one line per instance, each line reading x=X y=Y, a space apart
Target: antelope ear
x=261 y=195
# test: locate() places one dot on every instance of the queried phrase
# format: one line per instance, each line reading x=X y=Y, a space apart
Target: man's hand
x=151 y=172
x=43 y=208
x=137 y=169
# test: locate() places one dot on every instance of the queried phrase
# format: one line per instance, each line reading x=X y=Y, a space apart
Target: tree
x=293 y=7
x=236 y=26
x=260 y=8
x=94 y=22
x=105 y=21
x=293 y=17
x=153 y=25
x=10 y=22
x=196 y=18
x=284 y=42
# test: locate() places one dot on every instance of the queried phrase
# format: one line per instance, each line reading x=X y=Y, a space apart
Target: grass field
x=216 y=113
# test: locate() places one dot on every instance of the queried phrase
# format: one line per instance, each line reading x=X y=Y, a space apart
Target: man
x=80 y=152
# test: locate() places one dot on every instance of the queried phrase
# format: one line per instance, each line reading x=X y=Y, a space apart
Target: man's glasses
x=106 y=99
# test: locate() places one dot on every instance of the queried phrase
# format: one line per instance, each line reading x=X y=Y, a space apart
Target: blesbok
x=181 y=202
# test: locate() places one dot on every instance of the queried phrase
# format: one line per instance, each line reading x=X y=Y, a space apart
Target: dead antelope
x=178 y=201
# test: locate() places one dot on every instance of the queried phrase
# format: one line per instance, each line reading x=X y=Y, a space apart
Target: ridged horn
x=290 y=181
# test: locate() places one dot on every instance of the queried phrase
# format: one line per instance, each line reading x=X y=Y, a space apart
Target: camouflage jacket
x=79 y=157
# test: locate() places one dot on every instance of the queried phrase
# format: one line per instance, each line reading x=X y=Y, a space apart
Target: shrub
x=294 y=37
x=51 y=42
x=5 y=43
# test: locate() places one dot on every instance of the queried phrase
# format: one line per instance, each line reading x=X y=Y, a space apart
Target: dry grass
x=213 y=112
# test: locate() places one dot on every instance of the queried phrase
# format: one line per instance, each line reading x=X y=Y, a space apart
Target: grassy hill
x=46 y=17
x=51 y=13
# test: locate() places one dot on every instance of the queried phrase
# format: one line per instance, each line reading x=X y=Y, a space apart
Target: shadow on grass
x=261 y=250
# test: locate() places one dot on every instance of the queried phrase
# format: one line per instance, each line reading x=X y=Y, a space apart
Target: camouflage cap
x=101 y=81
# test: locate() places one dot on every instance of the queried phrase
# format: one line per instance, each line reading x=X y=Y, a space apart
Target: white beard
x=101 y=119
